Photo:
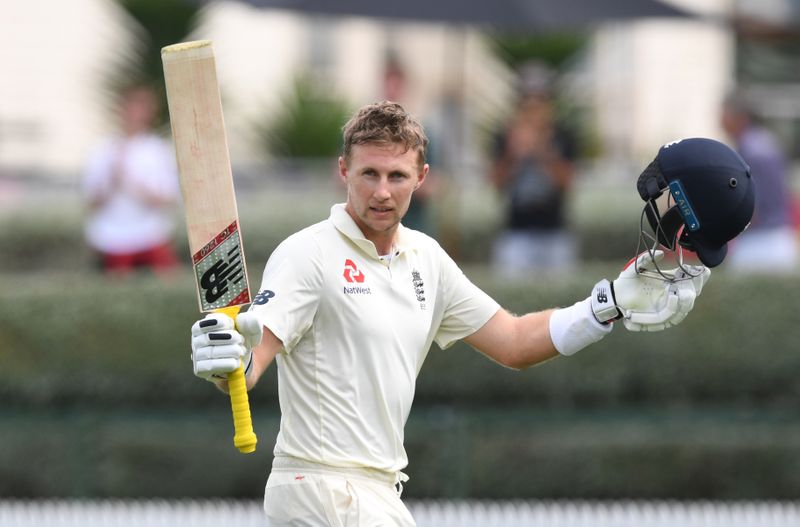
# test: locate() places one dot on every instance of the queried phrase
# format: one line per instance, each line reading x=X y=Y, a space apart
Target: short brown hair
x=384 y=123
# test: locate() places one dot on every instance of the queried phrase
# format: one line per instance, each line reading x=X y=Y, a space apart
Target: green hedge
x=150 y=452
x=84 y=339
x=99 y=400
x=491 y=453
x=646 y=453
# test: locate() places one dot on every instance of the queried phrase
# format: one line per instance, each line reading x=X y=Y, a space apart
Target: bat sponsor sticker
x=219 y=270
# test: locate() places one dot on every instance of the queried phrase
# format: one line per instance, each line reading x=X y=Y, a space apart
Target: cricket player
x=348 y=309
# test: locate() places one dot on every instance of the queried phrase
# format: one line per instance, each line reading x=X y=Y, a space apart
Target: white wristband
x=575 y=327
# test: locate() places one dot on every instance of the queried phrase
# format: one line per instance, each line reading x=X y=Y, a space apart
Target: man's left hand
x=646 y=299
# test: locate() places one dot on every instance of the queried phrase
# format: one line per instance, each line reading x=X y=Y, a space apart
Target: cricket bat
x=206 y=180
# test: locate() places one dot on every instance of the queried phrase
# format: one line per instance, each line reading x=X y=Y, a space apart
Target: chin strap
x=666 y=227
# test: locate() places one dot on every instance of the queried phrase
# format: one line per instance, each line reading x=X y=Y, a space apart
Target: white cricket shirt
x=356 y=330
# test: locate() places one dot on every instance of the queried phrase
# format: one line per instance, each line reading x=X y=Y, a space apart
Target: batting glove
x=648 y=300
x=219 y=345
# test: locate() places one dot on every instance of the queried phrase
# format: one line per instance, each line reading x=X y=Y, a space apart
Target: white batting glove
x=646 y=300
x=219 y=345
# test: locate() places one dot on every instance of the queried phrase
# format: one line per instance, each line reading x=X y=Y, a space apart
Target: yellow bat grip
x=244 y=438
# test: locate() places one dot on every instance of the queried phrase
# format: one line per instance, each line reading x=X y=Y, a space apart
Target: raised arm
x=643 y=298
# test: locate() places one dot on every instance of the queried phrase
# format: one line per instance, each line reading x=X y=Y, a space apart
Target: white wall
x=650 y=81
x=58 y=55
x=260 y=51
x=658 y=80
x=51 y=101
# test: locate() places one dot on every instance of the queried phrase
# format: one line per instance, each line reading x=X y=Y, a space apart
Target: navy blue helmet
x=712 y=193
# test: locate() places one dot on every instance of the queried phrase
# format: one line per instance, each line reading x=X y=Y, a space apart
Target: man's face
x=380 y=180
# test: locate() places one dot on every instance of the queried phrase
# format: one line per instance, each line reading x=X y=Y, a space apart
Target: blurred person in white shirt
x=131 y=188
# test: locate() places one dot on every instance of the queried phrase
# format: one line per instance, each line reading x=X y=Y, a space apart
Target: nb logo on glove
x=602 y=296
x=647 y=298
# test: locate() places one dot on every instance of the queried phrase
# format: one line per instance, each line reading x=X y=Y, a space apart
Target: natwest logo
x=352 y=273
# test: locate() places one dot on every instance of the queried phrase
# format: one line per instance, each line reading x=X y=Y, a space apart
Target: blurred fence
x=426 y=513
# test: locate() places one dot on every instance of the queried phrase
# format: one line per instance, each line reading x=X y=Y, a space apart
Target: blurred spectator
x=533 y=168
x=131 y=186
x=419 y=216
x=770 y=243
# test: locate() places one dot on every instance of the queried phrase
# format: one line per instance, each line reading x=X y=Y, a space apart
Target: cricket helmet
x=712 y=197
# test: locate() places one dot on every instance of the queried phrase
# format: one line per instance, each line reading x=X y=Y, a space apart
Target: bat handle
x=244 y=438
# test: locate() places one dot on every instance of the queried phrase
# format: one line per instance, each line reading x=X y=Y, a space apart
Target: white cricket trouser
x=304 y=494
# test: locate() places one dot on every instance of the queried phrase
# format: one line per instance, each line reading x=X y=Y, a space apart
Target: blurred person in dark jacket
x=533 y=167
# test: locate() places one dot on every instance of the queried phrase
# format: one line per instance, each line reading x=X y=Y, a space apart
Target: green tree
x=309 y=123
x=159 y=23
x=553 y=48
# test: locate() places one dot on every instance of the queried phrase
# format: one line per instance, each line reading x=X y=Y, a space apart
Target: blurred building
x=654 y=81
x=55 y=56
x=645 y=82
x=260 y=52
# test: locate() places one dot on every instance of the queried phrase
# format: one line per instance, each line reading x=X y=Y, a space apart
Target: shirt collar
x=345 y=224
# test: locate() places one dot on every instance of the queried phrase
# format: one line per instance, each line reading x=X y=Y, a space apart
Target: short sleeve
x=290 y=290
x=467 y=307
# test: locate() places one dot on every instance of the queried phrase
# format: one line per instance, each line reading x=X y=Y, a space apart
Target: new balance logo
x=602 y=296
x=352 y=273
x=226 y=271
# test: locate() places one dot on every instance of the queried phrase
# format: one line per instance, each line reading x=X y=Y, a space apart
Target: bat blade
x=201 y=147
x=209 y=200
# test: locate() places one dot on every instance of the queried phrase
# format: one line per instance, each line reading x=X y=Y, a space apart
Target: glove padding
x=219 y=345
x=648 y=301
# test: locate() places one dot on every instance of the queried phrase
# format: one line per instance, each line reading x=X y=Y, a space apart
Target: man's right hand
x=219 y=345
